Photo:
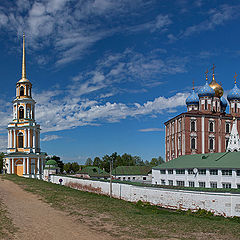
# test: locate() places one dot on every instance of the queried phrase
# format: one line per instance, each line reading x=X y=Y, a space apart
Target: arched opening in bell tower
x=21 y=112
x=21 y=91
x=20 y=140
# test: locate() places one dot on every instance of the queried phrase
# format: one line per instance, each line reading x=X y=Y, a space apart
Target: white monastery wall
x=226 y=204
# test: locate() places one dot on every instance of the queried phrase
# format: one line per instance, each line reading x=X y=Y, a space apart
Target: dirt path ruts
x=36 y=220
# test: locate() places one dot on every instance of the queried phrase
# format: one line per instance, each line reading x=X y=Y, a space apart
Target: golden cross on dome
x=235 y=76
x=206 y=73
x=213 y=68
x=193 y=84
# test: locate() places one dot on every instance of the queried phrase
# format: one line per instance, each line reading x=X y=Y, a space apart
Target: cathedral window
x=211 y=127
x=206 y=107
x=20 y=140
x=235 y=106
x=21 y=91
x=211 y=143
x=193 y=143
x=227 y=128
x=227 y=140
x=193 y=126
x=21 y=112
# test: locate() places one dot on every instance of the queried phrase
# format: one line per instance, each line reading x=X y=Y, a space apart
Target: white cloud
x=215 y=17
x=151 y=130
x=50 y=138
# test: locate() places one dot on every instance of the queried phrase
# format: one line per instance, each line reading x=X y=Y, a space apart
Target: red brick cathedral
x=205 y=127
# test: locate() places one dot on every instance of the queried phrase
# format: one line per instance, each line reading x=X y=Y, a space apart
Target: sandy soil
x=36 y=220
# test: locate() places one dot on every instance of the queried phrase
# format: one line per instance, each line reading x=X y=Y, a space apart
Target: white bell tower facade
x=24 y=156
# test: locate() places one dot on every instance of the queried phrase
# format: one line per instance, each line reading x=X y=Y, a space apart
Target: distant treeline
x=115 y=159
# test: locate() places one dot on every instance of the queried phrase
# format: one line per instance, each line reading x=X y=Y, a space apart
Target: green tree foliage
x=1 y=162
x=89 y=162
x=67 y=167
x=58 y=160
x=156 y=161
x=97 y=162
x=75 y=167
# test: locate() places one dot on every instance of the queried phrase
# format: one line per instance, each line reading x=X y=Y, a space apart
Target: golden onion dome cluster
x=216 y=87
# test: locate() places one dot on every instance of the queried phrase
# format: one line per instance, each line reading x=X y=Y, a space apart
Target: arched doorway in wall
x=18 y=167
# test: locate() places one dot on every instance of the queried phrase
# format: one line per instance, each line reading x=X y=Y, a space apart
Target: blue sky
x=107 y=74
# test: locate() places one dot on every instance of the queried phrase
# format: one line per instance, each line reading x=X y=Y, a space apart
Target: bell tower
x=24 y=156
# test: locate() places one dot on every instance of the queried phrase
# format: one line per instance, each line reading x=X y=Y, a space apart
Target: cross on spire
x=206 y=74
x=235 y=76
x=23 y=59
x=213 y=68
x=193 y=84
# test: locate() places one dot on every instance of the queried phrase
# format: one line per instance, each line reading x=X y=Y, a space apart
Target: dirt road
x=36 y=220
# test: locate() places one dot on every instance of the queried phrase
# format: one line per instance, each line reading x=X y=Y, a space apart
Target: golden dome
x=216 y=87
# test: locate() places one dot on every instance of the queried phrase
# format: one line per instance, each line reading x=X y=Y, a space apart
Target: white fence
x=225 y=204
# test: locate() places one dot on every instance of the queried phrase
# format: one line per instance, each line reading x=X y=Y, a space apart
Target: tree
x=97 y=162
x=89 y=162
x=59 y=162
x=75 y=166
x=1 y=162
x=67 y=167
x=156 y=161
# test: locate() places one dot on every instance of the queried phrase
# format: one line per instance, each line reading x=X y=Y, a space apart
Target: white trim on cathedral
x=234 y=140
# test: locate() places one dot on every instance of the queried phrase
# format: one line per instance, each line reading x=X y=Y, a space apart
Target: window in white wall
x=180 y=171
x=227 y=172
x=170 y=182
x=180 y=183
x=213 y=172
x=191 y=184
x=213 y=184
x=163 y=182
x=226 y=185
x=170 y=171
x=202 y=171
x=202 y=184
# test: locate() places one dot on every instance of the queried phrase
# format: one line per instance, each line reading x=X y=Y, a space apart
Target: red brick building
x=205 y=127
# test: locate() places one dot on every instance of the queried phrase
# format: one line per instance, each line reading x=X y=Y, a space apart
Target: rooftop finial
x=23 y=59
x=213 y=72
x=193 y=85
x=206 y=74
x=235 y=76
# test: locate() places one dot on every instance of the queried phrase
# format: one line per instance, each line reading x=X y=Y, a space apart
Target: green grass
x=7 y=227
x=128 y=220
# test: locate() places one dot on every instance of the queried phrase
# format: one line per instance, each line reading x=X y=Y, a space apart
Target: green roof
x=51 y=162
x=132 y=170
x=209 y=160
x=94 y=172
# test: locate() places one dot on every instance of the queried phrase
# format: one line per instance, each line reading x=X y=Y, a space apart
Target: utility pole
x=110 y=177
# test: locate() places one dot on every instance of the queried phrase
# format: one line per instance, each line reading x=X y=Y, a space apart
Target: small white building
x=51 y=168
x=133 y=173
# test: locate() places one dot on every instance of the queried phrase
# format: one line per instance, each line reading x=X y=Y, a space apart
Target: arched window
x=21 y=112
x=193 y=143
x=20 y=140
x=211 y=143
x=211 y=126
x=206 y=107
x=227 y=140
x=227 y=128
x=235 y=107
x=193 y=126
x=21 y=91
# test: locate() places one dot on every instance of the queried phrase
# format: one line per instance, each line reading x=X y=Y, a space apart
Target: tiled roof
x=132 y=170
x=209 y=160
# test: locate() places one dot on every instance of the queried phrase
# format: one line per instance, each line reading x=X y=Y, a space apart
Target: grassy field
x=128 y=220
x=7 y=227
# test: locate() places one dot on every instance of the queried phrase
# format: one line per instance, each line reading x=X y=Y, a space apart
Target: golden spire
x=206 y=74
x=23 y=60
x=235 y=76
x=213 y=70
x=193 y=85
